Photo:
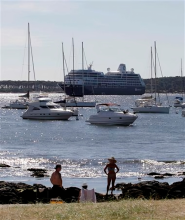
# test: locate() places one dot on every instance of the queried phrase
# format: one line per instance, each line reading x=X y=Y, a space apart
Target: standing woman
x=111 y=166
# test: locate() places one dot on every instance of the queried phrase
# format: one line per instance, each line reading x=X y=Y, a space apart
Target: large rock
x=37 y=172
x=4 y=165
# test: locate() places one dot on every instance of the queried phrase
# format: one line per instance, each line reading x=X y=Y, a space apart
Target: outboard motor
x=122 y=68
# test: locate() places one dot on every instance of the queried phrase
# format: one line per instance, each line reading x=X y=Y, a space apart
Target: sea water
x=154 y=143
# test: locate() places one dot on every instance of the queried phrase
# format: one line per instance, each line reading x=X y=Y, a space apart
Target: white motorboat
x=111 y=114
x=45 y=109
x=178 y=102
x=183 y=112
x=18 y=104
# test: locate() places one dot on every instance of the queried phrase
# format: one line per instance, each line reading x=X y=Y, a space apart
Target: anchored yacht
x=111 y=114
x=45 y=109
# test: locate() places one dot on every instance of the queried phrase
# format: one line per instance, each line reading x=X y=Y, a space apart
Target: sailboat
x=150 y=105
x=179 y=100
x=71 y=101
x=22 y=103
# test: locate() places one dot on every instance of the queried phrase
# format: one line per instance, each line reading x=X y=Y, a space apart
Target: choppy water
x=155 y=142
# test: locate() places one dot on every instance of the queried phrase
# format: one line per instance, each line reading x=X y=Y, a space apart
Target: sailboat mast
x=28 y=54
x=73 y=65
x=63 y=66
x=182 y=79
x=151 y=71
x=155 y=70
x=83 y=68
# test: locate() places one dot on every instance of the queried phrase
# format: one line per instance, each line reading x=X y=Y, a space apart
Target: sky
x=113 y=32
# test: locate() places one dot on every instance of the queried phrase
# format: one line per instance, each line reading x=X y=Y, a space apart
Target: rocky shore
x=21 y=193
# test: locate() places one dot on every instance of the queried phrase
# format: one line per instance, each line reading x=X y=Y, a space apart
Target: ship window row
x=110 y=83
x=104 y=80
x=113 y=84
x=107 y=83
x=106 y=76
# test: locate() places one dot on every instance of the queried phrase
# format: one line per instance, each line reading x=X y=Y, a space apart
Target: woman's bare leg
x=113 y=181
x=108 y=184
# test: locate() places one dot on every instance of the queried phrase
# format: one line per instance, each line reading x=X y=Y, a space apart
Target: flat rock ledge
x=21 y=193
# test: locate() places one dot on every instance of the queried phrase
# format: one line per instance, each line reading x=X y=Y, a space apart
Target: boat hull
x=15 y=106
x=40 y=117
x=78 y=104
x=124 y=121
x=152 y=109
x=47 y=115
x=78 y=90
x=176 y=105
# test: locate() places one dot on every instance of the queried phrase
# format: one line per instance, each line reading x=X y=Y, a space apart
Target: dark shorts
x=57 y=191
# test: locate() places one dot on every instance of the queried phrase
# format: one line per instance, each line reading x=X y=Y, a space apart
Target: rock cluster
x=4 y=165
x=38 y=172
x=21 y=193
x=163 y=175
x=152 y=190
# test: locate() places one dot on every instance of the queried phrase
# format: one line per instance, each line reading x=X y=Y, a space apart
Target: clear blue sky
x=113 y=32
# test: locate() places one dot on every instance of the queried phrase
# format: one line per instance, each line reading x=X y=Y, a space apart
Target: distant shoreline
x=164 y=85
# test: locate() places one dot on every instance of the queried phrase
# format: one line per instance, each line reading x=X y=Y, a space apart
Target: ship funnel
x=132 y=70
x=122 y=68
x=108 y=69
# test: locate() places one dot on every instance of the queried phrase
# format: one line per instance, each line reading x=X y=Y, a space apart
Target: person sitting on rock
x=86 y=195
x=111 y=166
x=56 y=180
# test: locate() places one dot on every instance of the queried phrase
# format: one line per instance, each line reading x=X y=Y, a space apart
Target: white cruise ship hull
x=152 y=109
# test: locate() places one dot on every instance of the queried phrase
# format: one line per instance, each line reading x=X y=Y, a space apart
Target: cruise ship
x=90 y=82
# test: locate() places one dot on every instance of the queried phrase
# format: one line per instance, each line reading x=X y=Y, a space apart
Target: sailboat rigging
x=22 y=104
x=179 y=99
x=150 y=105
